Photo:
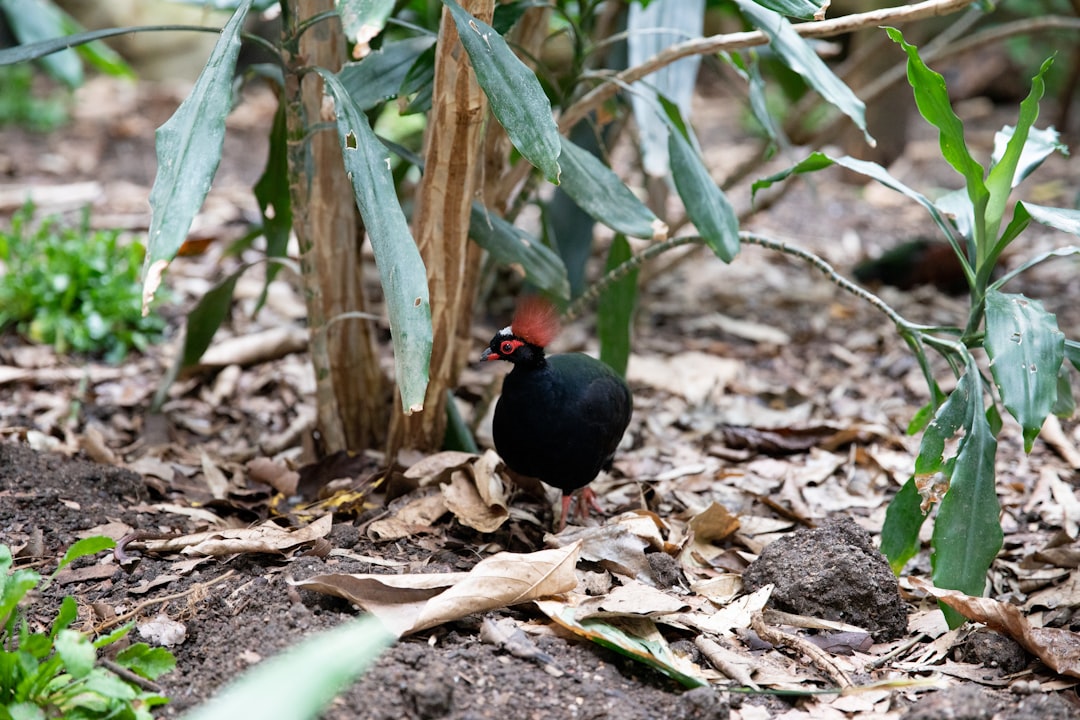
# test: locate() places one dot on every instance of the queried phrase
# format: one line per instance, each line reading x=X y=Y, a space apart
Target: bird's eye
x=506 y=348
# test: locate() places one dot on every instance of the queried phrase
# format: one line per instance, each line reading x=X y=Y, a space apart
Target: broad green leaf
x=953 y=414
x=379 y=76
x=650 y=29
x=801 y=58
x=1072 y=352
x=903 y=520
x=516 y=98
x=67 y=614
x=87 y=546
x=1062 y=219
x=1026 y=350
x=802 y=9
x=932 y=99
x=1065 y=405
x=401 y=269
x=76 y=651
x=274 y=198
x=515 y=248
x=615 y=312
x=598 y=191
x=1002 y=176
x=363 y=20
x=967 y=530
x=188 y=153
x=819 y=161
x=1040 y=145
x=419 y=81
x=33 y=21
x=300 y=682
x=146 y=661
x=706 y=204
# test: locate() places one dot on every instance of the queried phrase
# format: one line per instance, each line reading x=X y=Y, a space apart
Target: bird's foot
x=586 y=499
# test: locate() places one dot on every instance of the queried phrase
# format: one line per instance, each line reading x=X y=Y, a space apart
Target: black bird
x=559 y=418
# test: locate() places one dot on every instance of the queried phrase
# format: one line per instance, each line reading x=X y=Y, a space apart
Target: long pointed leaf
x=932 y=99
x=615 y=313
x=598 y=191
x=706 y=204
x=801 y=58
x=48 y=46
x=188 y=152
x=903 y=520
x=516 y=98
x=1026 y=350
x=1002 y=175
x=401 y=269
x=517 y=249
x=1040 y=145
x=32 y=21
x=967 y=531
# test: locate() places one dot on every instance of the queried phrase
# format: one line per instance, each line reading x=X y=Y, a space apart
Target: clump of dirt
x=970 y=702
x=993 y=650
x=834 y=573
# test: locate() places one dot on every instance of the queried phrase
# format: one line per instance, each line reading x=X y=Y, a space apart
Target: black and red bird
x=559 y=418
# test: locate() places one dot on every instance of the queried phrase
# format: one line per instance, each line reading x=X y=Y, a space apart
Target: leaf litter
x=794 y=410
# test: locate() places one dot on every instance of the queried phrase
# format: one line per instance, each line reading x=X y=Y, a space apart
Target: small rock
x=701 y=703
x=993 y=650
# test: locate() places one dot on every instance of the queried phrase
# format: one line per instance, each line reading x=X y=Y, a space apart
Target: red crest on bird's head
x=536 y=321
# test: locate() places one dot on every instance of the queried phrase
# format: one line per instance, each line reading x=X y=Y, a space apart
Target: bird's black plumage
x=559 y=418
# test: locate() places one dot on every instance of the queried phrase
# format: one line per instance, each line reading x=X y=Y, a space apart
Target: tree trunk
x=452 y=168
x=351 y=393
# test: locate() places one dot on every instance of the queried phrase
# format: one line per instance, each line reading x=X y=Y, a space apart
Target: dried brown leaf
x=466 y=501
x=266 y=538
x=1057 y=647
x=275 y=474
x=410 y=603
x=416 y=517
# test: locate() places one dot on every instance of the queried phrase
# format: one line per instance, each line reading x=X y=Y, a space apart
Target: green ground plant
x=56 y=671
x=19 y=105
x=74 y=288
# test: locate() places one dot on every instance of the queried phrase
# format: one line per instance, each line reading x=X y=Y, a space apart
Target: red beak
x=488 y=354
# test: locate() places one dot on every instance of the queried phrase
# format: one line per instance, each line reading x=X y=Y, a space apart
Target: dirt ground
x=766 y=345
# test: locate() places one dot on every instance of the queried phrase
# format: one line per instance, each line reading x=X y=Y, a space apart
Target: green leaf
x=1065 y=405
x=1026 y=350
x=76 y=651
x=900 y=532
x=614 y=317
x=953 y=414
x=818 y=161
x=401 y=269
x=67 y=614
x=1003 y=174
x=301 y=681
x=516 y=98
x=802 y=9
x=379 y=76
x=32 y=21
x=43 y=48
x=1058 y=218
x=967 y=531
x=1072 y=352
x=801 y=58
x=82 y=548
x=202 y=323
x=1040 y=145
x=598 y=191
x=363 y=20
x=274 y=199
x=146 y=661
x=188 y=152
x=1032 y=262
x=706 y=204
x=651 y=29
x=518 y=249
x=932 y=99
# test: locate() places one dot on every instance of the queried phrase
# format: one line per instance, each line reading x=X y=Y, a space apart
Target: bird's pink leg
x=566 y=498
x=586 y=500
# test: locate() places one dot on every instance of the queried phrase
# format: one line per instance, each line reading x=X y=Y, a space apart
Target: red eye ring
x=506 y=347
